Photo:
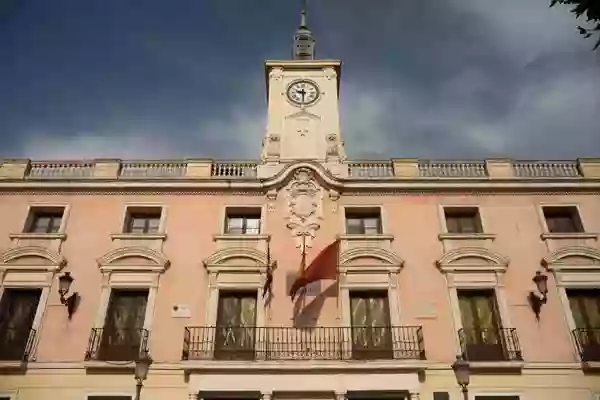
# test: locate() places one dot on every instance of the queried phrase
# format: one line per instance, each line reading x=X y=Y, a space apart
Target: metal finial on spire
x=304 y=44
x=303 y=14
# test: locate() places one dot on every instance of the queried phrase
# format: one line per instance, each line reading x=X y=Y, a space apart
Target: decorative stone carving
x=273 y=146
x=271 y=200
x=334 y=196
x=332 y=146
x=305 y=202
x=329 y=73
x=276 y=73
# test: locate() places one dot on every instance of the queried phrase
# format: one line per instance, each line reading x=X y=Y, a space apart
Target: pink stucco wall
x=193 y=219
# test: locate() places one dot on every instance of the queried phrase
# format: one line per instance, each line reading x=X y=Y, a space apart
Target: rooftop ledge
x=394 y=169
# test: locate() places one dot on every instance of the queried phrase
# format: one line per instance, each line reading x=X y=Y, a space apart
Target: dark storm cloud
x=429 y=79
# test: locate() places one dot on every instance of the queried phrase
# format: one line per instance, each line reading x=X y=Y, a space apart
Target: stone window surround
x=223 y=218
x=444 y=228
x=247 y=275
x=382 y=216
x=161 y=234
x=573 y=276
x=118 y=276
x=369 y=277
x=488 y=275
x=546 y=234
x=61 y=234
x=37 y=276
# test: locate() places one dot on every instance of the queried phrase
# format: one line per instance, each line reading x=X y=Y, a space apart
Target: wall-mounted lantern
x=462 y=372
x=142 y=365
x=64 y=285
x=539 y=297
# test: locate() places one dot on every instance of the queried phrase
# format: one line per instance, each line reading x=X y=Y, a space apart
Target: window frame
x=458 y=209
x=480 y=214
x=473 y=394
x=542 y=217
x=37 y=207
x=368 y=208
x=238 y=210
x=133 y=208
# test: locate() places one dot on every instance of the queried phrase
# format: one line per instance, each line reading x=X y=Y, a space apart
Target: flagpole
x=339 y=285
x=303 y=267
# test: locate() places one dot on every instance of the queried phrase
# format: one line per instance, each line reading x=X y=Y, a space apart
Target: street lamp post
x=142 y=365
x=463 y=375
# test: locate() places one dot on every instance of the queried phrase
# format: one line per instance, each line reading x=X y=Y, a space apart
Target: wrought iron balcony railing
x=117 y=344
x=290 y=343
x=588 y=343
x=16 y=344
x=490 y=344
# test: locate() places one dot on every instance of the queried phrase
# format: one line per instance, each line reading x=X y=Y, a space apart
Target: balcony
x=588 y=344
x=16 y=344
x=490 y=345
x=289 y=343
x=117 y=344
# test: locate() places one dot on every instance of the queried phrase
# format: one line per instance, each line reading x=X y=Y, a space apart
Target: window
x=243 y=221
x=371 y=330
x=123 y=335
x=143 y=220
x=585 y=307
x=18 y=308
x=44 y=220
x=363 y=221
x=562 y=219
x=236 y=325
x=463 y=220
x=480 y=335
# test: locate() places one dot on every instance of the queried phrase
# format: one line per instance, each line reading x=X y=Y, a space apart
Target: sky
x=171 y=79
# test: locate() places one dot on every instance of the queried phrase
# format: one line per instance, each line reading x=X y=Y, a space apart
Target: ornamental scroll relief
x=305 y=206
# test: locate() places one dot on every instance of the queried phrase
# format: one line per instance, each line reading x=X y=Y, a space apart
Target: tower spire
x=304 y=43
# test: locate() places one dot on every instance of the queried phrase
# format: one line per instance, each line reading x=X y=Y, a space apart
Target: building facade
x=435 y=260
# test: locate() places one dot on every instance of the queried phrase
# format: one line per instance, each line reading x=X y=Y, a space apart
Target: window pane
x=235 y=225
x=153 y=225
x=354 y=226
x=467 y=224
x=371 y=225
x=41 y=224
x=54 y=224
x=252 y=226
x=452 y=225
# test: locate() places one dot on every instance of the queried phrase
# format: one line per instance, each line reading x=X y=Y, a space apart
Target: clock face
x=303 y=92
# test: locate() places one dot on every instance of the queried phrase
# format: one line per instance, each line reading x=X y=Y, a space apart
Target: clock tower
x=303 y=108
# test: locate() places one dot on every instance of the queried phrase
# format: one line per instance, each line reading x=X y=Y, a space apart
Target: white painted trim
x=163 y=215
x=89 y=394
x=63 y=223
x=259 y=206
x=442 y=215
x=542 y=219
